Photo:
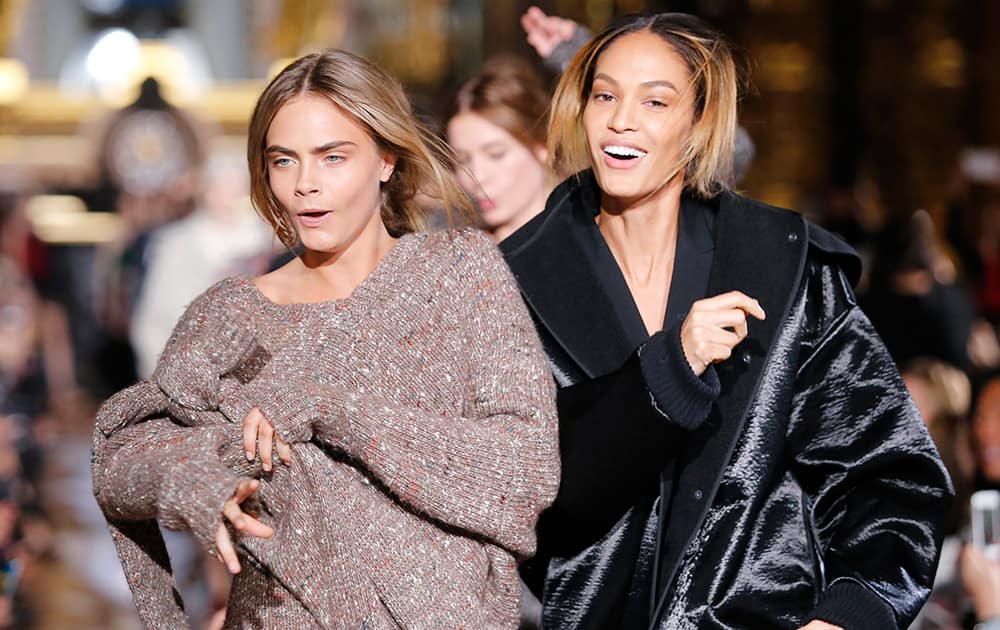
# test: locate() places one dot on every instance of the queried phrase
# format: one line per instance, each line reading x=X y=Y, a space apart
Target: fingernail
x=249 y=455
x=267 y=467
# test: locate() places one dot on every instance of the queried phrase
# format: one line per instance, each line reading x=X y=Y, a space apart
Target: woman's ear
x=388 y=166
x=541 y=153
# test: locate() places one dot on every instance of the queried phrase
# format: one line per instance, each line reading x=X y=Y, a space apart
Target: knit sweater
x=422 y=419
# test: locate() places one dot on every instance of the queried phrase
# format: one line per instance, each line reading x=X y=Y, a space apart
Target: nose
x=623 y=117
x=306 y=184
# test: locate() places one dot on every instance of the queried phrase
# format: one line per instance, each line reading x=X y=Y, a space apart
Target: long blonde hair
x=376 y=101
x=707 y=157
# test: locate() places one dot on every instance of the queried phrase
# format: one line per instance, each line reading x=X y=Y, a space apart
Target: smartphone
x=986 y=522
x=980 y=164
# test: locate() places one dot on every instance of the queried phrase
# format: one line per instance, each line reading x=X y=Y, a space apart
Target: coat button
x=792 y=237
x=698 y=495
x=746 y=358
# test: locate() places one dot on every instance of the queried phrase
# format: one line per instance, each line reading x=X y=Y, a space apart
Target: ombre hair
x=376 y=101
x=509 y=93
x=707 y=157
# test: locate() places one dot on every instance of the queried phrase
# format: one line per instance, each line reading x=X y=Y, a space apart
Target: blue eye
x=333 y=159
x=282 y=161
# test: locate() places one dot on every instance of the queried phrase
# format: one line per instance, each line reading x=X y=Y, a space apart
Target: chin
x=496 y=218
x=325 y=245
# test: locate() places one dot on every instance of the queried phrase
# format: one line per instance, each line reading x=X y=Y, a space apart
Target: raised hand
x=714 y=326
x=545 y=32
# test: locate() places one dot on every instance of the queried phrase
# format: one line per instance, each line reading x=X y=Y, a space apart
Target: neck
x=642 y=235
x=336 y=274
x=500 y=232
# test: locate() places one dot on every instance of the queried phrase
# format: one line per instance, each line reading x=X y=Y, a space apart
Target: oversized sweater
x=423 y=427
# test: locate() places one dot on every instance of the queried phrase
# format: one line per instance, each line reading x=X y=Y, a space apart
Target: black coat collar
x=550 y=265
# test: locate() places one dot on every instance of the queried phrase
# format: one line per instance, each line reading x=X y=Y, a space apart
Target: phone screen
x=986 y=522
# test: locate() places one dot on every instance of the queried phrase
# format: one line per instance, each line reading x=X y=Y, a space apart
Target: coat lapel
x=761 y=252
x=574 y=311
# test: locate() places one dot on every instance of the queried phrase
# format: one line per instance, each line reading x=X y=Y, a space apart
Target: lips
x=485 y=204
x=312 y=217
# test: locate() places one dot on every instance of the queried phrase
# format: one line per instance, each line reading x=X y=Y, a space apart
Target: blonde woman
x=738 y=448
x=395 y=373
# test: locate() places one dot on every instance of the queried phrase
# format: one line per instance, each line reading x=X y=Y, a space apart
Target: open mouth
x=620 y=152
x=312 y=218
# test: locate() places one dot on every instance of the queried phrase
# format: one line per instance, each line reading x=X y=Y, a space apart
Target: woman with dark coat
x=715 y=473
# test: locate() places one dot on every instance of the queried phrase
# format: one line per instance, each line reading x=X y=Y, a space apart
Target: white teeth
x=623 y=152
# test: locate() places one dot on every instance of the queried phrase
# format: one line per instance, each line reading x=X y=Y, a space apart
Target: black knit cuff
x=853 y=606
x=678 y=394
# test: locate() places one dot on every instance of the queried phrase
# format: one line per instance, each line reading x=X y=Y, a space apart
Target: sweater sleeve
x=157 y=444
x=489 y=473
x=159 y=470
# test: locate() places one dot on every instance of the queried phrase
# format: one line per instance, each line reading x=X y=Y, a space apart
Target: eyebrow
x=329 y=146
x=654 y=83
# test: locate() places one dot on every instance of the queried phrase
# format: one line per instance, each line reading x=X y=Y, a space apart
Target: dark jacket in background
x=793 y=481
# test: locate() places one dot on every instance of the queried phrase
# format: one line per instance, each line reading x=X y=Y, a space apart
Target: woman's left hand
x=258 y=433
x=815 y=624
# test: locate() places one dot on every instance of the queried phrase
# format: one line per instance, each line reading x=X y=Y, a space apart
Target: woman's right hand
x=545 y=32
x=241 y=521
x=714 y=326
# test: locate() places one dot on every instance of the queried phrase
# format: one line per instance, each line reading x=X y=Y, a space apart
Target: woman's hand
x=981 y=578
x=714 y=326
x=258 y=433
x=545 y=32
x=820 y=625
x=241 y=521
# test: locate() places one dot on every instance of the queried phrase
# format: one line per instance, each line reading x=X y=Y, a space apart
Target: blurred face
x=987 y=431
x=326 y=172
x=922 y=395
x=507 y=180
x=638 y=116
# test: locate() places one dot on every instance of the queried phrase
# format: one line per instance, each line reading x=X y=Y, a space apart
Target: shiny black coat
x=811 y=490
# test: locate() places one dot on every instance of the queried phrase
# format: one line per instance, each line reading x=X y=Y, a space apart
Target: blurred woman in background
x=498 y=133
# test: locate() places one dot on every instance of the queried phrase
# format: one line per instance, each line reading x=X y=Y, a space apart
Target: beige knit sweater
x=423 y=427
